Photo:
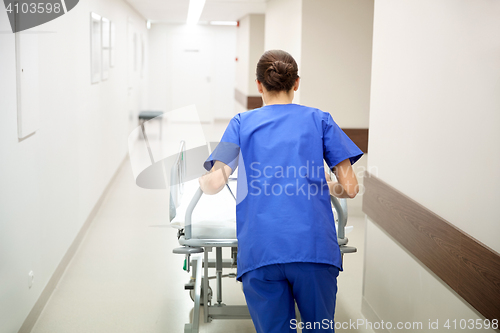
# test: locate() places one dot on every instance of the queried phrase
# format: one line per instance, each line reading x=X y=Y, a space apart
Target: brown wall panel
x=359 y=136
x=249 y=102
x=254 y=102
x=467 y=266
x=479 y=277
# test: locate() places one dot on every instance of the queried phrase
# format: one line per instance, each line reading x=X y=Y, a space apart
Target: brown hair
x=277 y=70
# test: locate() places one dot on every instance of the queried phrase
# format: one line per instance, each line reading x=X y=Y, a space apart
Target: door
x=191 y=74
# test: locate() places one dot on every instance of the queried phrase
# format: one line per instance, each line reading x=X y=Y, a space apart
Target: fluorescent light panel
x=194 y=11
x=223 y=22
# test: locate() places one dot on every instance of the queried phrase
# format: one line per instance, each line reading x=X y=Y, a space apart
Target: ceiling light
x=223 y=22
x=194 y=11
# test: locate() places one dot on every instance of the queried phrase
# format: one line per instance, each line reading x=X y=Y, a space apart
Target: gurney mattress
x=214 y=217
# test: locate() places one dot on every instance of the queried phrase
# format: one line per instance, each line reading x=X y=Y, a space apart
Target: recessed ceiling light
x=223 y=22
x=194 y=11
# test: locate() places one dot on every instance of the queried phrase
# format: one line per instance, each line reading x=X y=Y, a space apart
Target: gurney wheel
x=191 y=294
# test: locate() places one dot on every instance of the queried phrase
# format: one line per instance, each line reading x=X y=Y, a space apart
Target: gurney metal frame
x=193 y=245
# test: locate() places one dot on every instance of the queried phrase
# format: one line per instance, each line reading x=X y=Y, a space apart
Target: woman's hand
x=327 y=176
x=213 y=182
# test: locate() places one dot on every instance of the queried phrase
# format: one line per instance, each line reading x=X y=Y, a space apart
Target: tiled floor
x=125 y=278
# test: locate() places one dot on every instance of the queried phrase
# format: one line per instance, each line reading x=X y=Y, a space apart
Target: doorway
x=192 y=74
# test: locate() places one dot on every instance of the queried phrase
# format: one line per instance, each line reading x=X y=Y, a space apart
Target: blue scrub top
x=286 y=216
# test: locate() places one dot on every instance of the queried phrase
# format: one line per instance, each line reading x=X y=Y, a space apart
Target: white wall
x=250 y=47
x=434 y=134
x=283 y=27
x=336 y=59
x=49 y=182
x=224 y=72
x=222 y=58
x=331 y=40
x=243 y=54
x=257 y=43
x=335 y=66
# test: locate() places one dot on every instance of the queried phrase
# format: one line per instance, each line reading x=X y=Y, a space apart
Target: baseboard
x=37 y=309
x=370 y=315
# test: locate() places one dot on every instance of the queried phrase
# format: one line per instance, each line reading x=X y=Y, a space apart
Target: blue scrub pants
x=270 y=292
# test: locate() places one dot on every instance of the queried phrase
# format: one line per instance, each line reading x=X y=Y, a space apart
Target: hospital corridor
x=241 y=166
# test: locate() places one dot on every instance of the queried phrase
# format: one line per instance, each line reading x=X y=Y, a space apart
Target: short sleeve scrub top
x=283 y=212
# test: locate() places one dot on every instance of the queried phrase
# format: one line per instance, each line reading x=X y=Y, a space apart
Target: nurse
x=287 y=242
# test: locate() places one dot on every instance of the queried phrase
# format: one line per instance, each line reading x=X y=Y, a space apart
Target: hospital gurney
x=198 y=238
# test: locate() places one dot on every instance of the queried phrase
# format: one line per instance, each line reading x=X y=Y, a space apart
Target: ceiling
x=175 y=11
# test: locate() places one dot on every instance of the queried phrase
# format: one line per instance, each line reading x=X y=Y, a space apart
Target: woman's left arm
x=347 y=184
x=215 y=180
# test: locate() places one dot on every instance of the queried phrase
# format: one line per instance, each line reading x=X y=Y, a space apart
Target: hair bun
x=281 y=67
x=277 y=70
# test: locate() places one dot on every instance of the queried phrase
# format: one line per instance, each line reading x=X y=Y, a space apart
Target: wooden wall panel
x=254 y=102
x=359 y=136
x=479 y=277
x=466 y=265
x=249 y=102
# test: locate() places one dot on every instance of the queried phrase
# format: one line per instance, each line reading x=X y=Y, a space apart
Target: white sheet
x=213 y=217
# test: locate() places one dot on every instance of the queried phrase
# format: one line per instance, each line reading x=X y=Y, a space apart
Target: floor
x=125 y=278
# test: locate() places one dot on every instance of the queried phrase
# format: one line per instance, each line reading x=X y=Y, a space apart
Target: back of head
x=277 y=71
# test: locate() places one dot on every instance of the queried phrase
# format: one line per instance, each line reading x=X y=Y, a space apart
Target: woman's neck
x=282 y=97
